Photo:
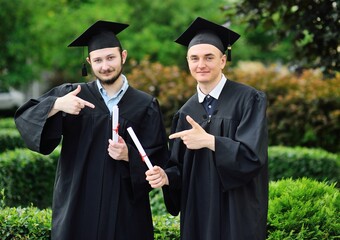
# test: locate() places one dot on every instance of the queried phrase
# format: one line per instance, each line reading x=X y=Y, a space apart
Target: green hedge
x=297 y=162
x=27 y=177
x=32 y=182
x=166 y=227
x=10 y=139
x=32 y=223
x=303 y=109
x=301 y=209
x=25 y=223
x=7 y=123
x=157 y=202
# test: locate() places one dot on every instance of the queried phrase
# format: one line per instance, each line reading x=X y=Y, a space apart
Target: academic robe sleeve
x=40 y=133
x=172 y=193
x=152 y=136
x=238 y=160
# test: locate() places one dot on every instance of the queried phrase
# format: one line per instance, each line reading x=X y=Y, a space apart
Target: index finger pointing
x=88 y=104
x=177 y=135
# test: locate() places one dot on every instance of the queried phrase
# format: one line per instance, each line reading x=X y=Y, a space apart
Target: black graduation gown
x=222 y=194
x=96 y=197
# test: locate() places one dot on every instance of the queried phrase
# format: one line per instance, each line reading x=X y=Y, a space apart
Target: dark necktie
x=209 y=104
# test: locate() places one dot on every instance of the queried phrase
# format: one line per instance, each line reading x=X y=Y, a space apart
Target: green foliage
x=157 y=202
x=17 y=45
x=25 y=223
x=2 y=198
x=27 y=177
x=166 y=227
x=10 y=139
x=298 y=209
x=298 y=162
x=159 y=23
x=303 y=110
x=7 y=123
x=303 y=209
x=311 y=26
x=37 y=34
x=32 y=223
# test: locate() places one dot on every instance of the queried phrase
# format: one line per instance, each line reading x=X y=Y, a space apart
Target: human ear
x=124 y=55
x=88 y=60
x=223 y=61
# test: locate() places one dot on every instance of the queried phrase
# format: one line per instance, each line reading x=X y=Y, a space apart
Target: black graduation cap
x=102 y=34
x=203 y=31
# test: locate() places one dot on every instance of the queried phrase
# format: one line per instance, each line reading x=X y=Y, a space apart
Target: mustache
x=111 y=80
x=107 y=71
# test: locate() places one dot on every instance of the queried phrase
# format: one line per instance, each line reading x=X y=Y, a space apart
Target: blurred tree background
x=296 y=36
x=311 y=28
x=35 y=34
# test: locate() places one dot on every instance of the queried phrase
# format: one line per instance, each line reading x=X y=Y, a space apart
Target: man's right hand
x=70 y=103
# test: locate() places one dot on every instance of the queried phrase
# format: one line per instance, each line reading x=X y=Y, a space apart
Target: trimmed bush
x=303 y=209
x=157 y=202
x=34 y=224
x=166 y=227
x=298 y=209
x=303 y=110
x=10 y=139
x=27 y=178
x=7 y=123
x=25 y=224
x=298 y=162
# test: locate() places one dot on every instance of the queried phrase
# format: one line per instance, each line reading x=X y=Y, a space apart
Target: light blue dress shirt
x=114 y=100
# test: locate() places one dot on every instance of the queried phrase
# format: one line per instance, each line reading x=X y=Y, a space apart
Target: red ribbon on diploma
x=115 y=129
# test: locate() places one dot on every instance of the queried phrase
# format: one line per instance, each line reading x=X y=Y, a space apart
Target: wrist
x=211 y=142
x=54 y=109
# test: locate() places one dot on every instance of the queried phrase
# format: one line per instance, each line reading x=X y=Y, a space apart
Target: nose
x=105 y=65
x=201 y=63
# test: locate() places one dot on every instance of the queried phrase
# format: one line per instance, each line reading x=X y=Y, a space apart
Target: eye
x=210 y=58
x=193 y=59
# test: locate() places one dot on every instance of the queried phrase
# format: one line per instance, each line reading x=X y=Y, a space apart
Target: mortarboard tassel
x=229 y=53
x=84 y=70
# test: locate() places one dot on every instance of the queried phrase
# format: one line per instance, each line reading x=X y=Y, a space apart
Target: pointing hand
x=70 y=103
x=196 y=137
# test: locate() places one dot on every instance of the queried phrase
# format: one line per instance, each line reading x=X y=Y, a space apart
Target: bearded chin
x=111 y=80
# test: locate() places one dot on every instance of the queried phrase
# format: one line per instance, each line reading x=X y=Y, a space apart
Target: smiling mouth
x=107 y=73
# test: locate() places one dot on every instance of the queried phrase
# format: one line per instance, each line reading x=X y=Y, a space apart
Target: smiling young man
x=217 y=175
x=100 y=190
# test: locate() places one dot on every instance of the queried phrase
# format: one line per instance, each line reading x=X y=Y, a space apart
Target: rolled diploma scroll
x=139 y=147
x=115 y=116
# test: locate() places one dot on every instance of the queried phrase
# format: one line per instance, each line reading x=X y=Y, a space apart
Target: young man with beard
x=217 y=176
x=100 y=189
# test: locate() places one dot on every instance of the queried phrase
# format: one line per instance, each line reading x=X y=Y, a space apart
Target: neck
x=207 y=87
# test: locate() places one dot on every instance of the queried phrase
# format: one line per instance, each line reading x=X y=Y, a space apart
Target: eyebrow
x=109 y=55
x=205 y=55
